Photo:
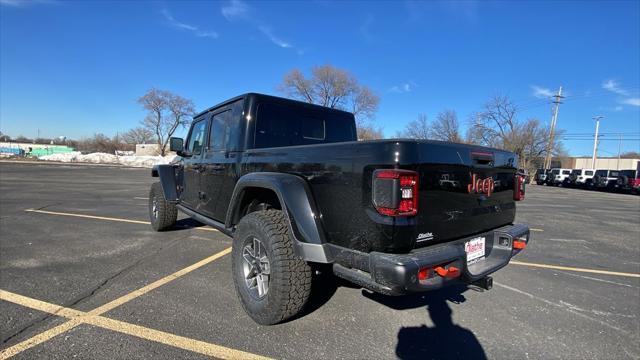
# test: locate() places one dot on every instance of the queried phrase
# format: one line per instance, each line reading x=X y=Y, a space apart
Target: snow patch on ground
x=104 y=158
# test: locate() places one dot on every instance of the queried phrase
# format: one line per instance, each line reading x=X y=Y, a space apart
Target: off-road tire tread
x=293 y=273
x=167 y=211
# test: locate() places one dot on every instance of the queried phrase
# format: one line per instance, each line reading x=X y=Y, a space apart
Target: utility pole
x=595 y=142
x=619 y=149
x=554 y=119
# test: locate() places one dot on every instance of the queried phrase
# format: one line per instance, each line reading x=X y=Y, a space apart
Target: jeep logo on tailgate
x=481 y=186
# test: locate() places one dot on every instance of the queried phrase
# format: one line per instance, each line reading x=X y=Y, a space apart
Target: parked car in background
x=605 y=179
x=581 y=177
x=541 y=176
x=628 y=181
x=557 y=176
x=551 y=175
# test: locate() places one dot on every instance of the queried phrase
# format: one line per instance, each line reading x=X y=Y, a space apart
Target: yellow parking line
x=180 y=342
x=79 y=317
x=94 y=217
x=44 y=336
x=156 y=284
x=534 y=229
x=39 y=339
x=567 y=268
x=39 y=305
x=88 y=216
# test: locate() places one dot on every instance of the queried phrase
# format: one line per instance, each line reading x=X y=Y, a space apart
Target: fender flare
x=167 y=175
x=298 y=205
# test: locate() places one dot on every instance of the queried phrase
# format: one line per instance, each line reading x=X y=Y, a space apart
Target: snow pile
x=104 y=158
x=144 y=161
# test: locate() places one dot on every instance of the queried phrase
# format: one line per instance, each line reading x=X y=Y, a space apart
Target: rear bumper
x=397 y=274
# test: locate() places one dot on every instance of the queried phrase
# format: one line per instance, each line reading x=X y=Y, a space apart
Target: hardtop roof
x=270 y=97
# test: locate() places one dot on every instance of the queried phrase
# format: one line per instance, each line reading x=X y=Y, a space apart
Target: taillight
x=395 y=192
x=519 y=243
x=518 y=191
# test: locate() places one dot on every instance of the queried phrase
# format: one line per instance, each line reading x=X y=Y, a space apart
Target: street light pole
x=595 y=142
x=619 y=150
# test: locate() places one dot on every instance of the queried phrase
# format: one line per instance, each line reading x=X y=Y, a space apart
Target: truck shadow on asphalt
x=444 y=340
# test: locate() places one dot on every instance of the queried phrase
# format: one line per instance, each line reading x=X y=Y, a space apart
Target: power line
x=534 y=103
x=591 y=139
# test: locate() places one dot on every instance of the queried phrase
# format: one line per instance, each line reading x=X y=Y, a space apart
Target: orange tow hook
x=450 y=273
x=519 y=245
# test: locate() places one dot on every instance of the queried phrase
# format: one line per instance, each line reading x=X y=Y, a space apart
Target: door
x=191 y=194
x=220 y=160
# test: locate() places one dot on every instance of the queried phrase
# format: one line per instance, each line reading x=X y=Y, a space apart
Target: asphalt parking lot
x=84 y=275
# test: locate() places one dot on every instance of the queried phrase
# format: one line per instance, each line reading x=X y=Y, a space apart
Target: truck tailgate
x=468 y=191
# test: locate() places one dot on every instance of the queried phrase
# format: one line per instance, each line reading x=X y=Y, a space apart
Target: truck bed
x=340 y=177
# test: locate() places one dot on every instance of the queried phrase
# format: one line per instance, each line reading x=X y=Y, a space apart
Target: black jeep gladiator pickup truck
x=294 y=188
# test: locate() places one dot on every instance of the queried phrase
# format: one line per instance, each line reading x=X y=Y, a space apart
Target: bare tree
x=101 y=143
x=497 y=125
x=630 y=155
x=369 y=132
x=166 y=112
x=332 y=87
x=22 y=139
x=139 y=135
x=446 y=127
x=417 y=129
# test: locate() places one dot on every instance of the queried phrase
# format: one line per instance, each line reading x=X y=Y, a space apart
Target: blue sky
x=76 y=68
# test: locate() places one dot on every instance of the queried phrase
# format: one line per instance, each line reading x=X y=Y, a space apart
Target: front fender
x=167 y=175
x=297 y=203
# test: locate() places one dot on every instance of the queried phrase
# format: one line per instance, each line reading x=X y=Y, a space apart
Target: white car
x=558 y=176
x=581 y=177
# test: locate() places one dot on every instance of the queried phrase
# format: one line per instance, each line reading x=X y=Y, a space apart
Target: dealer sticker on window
x=474 y=249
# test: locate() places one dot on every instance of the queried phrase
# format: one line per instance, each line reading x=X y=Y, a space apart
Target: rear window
x=614 y=173
x=555 y=172
x=588 y=172
x=601 y=172
x=576 y=172
x=288 y=125
x=566 y=172
x=628 y=173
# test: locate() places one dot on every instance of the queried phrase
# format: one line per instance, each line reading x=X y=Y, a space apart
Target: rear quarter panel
x=340 y=177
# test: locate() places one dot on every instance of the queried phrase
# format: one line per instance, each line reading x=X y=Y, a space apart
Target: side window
x=196 y=139
x=313 y=129
x=588 y=173
x=219 y=130
x=225 y=128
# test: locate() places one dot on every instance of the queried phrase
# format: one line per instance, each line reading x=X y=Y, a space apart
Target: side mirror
x=176 y=144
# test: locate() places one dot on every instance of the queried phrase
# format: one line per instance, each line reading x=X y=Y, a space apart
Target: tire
x=288 y=280
x=162 y=213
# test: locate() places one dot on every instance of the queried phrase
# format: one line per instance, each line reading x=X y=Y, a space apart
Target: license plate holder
x=475 y=249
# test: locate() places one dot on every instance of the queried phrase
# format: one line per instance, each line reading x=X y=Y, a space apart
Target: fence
x=26 y=149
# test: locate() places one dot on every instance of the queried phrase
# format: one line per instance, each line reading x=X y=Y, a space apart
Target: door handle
x=217 y=167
